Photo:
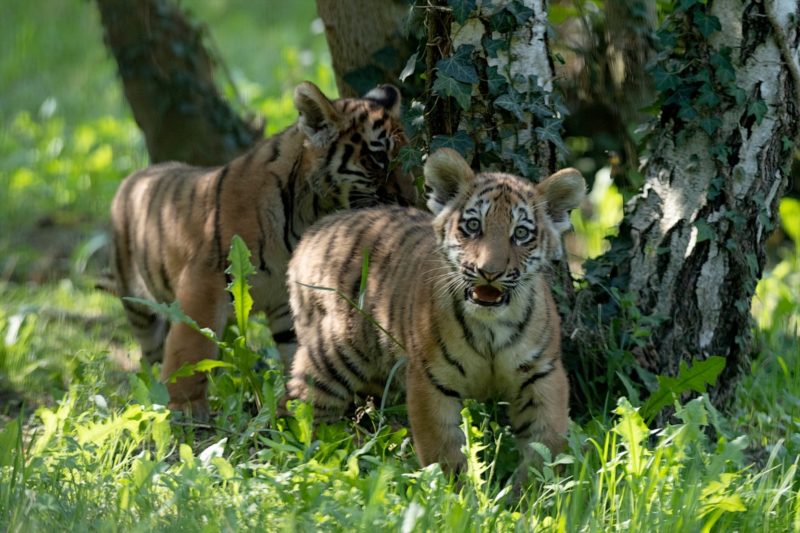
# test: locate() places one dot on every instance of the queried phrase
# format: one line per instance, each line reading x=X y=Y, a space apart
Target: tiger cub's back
x=331 y=255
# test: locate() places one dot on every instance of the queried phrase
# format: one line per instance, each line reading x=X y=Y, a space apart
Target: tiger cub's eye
x=473 y=225
x=521 y=234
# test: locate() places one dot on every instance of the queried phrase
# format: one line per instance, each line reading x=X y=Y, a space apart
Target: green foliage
x=239 y=269
x=689 y=379
x=509 y=114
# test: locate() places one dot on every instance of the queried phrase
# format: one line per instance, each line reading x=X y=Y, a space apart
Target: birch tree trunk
x=691 y=246
x=490 y=82
x=167 y=77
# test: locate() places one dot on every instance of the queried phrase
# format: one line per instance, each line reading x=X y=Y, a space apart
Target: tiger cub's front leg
x=434 y=412
x=201 y=296
x=538 y=413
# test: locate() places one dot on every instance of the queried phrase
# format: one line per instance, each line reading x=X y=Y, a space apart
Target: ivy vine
x=497 y=120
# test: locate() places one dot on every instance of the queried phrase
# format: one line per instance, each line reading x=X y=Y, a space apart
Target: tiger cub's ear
x=563 y=191
x=388 y=96
x=319 y=120
x=446 y=173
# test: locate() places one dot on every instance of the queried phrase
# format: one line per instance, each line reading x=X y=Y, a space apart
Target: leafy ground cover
x=85 y=442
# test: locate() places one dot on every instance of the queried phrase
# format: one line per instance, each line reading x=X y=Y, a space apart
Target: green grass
x=85 y=442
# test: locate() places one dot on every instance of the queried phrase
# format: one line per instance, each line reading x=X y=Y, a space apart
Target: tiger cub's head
x=496 y=230
x=355 y=141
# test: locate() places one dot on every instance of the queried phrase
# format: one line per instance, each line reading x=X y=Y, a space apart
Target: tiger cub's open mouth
x=486 y=295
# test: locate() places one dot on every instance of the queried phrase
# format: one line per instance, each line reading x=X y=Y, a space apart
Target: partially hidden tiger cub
x=464 y=291
x=173 y=223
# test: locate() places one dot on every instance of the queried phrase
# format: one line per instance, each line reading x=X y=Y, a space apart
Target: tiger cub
x=172 y=223
x=464 y=291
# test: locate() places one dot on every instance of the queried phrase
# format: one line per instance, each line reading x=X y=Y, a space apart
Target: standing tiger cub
x=173 y=223
x=464 y=291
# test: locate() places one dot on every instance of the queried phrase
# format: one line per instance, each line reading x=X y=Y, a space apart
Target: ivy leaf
x=503 y=21
x=710 y=124
x=687 y=112
x=707 y=24
x=497 y=82
x=707 y=96
x=461 y=142
x=704 y=230
x=553 y=136
x=520 y=11
x=462 y=9
x=447 y=86
x=757 y=109
x=664 y=80
x=459 y=66
x=694 y=378
x=408 y=158
x=686 y=4
x=724 y=72
x=510 y=103
x=492 y=46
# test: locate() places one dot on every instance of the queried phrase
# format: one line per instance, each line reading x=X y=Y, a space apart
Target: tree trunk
x=490 y=82
x=367 y=42
x=168 y=81
x=691 y=246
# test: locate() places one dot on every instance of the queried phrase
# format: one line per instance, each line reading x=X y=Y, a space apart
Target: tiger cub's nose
x=489 y=275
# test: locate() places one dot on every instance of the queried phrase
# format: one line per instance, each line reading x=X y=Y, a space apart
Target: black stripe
x=360 y=354
x=330 y=370
x=276 y=147
x=531 y=403
x=458 y=311
x=536 y=376
x=449 y=358
x=146 y=274
x=220 y=260
x=192 y=192
x=349 y=365
x=324 y=387
x=330 y=154
x=521 y=325
x=544 y=345
x=522 y=429
x=348 y=153
x=288 y=199
x=441 y=388
x=284 y=337
x=262 y=243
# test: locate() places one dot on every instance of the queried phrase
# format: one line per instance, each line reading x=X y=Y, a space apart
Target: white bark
x=663 y=217
x=528 y=55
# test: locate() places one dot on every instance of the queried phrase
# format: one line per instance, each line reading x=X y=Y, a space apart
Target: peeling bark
x=693 y=257
x=167 y=77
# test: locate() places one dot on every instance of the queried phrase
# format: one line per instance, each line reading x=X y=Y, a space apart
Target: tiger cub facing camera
x=464 y=292
x=172 y=223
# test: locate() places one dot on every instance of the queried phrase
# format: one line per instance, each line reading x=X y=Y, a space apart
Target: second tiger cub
x=463 y=291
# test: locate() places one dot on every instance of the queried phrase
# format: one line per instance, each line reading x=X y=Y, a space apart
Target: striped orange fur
x=464 y=291
x=173 y=223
